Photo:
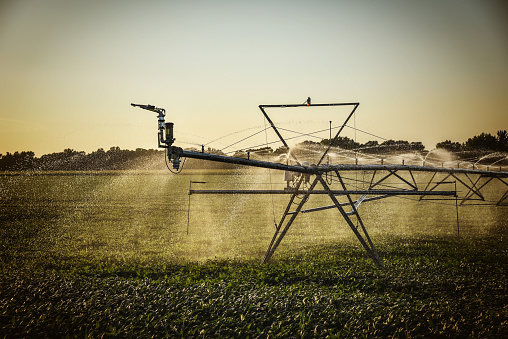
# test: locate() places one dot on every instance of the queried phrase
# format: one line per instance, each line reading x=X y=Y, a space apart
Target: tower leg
x=368 y=245
x=279 y=235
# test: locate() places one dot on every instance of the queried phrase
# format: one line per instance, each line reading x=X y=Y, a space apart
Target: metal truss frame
x=395 y=180
x=385 y=181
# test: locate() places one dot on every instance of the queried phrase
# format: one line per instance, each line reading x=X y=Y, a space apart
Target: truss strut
x=278 y=236
x=371 y=250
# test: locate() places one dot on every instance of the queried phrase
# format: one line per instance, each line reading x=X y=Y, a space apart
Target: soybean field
x=131 y=254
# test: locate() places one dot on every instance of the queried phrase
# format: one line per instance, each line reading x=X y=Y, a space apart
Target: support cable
x=300 y=134
x=356 y=174
x=270 y=176
x=457 y=210
x=250 y=136
x=227 y=135
x=188 y=208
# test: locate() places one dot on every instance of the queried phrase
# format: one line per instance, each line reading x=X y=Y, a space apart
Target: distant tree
x=372 y=143
x=502 y=140
x=70 y=152
x=280 y=150
x=449 y=146
x=214 y=151
x=393 y=146
x=342 y=142
x=18 y=161
x=484 y=141
x=416 y=146
x=370 y=147
x=388 y=145
x=309 y=143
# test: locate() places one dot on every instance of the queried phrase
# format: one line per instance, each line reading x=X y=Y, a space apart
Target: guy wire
x=270 y=174
x=356 y=161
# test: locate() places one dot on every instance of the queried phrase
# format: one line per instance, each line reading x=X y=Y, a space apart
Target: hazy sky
x=421 y=70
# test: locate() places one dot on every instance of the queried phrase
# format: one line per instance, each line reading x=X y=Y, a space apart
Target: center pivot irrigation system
x=304 y=179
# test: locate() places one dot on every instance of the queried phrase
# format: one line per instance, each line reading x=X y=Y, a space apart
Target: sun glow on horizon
x=421 y=72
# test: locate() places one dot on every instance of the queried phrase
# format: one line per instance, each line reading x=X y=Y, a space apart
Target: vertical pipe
x=330 y=140
x=276 y=240
x=457 y=210
x=188 y=209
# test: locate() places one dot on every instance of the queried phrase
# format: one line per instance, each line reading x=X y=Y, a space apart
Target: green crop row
x=430 y=287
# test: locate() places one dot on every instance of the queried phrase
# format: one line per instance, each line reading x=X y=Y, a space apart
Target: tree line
x=118 y=159
x=481 y=142
x=71 y=160
x=372 y=147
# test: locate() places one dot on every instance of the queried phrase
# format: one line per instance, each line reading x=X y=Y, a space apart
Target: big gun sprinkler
x=165 y=135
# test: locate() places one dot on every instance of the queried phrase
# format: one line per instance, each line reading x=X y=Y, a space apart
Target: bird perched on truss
x=307 y=101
